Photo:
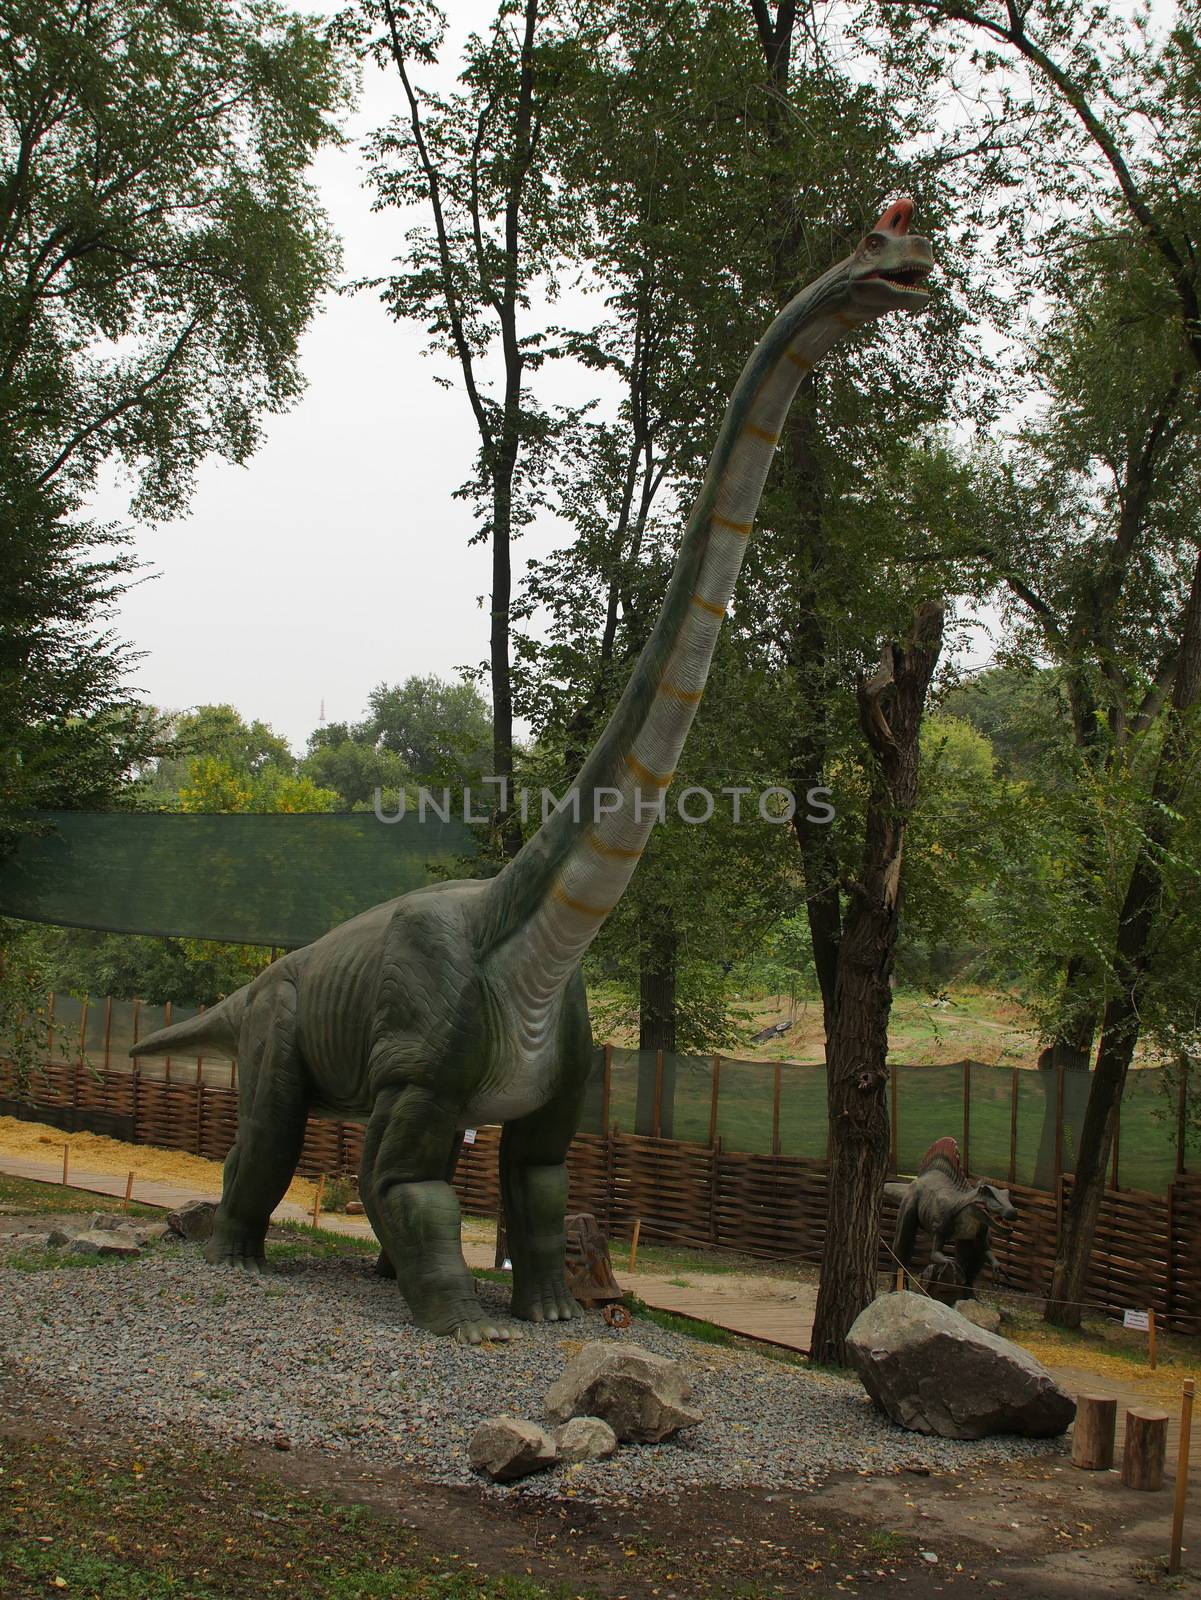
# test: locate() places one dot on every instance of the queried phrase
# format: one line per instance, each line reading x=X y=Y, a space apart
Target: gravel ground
x=323 y=1354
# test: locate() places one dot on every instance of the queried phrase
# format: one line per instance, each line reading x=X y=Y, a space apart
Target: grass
x=112 y=1529
x=690 y=1327
x=306 y=1241
x=59 y=1260
x=28 y=1194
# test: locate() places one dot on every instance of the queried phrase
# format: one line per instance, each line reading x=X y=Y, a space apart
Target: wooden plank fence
x=1147 y=1255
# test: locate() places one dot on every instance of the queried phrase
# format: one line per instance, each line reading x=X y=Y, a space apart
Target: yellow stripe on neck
x=690 y=697
x=799 y=361
x=757 y=432
x=614 y=852
x=707 y=605
x=742 y=529
x=581 y=906
x=645 y=775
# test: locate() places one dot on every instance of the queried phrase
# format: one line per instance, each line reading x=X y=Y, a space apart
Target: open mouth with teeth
x=911 y=279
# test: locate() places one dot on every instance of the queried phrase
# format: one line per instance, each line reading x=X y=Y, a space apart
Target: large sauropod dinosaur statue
x=462 y=1003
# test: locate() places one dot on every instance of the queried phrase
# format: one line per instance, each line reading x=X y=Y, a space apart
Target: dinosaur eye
x=873 y=244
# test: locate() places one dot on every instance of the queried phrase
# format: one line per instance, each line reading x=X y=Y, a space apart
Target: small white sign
x=469 y=1136
x=1136 y=1319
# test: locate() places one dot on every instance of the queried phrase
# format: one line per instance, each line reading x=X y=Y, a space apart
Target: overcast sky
x=336 y=558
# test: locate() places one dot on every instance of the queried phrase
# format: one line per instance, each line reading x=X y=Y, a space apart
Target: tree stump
x=1144 y=1448
x=589 y=1269
x=1094 y=1432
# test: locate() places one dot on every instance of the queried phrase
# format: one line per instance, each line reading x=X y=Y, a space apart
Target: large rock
x=103 y=1242
x=982 y=1315
x=643 y=1397
x=585 y=1439
x=931 y=1370
x=507 y=1448
x=194 y=1220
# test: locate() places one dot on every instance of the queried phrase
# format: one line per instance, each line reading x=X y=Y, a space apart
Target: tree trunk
x=1120 y=1028
x=657 y=991
x=890 y=708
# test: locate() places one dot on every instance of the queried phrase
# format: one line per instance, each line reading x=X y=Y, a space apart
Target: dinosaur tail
x=213 y=1032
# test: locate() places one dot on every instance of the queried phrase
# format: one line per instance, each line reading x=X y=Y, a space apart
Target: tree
x=891 y=705
x=1132 y=963
x=352 y=766
x=439 y=730
x=1133 y=96
x=160 y=256
x=481 y=165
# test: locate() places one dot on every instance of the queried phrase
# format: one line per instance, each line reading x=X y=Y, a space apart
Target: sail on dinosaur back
x=462 y=1003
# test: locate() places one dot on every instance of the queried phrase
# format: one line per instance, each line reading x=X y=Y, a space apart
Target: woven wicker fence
x=1147 y=1254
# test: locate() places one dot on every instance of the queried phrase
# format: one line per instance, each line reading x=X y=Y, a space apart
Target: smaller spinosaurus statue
x=462 y=1003
x=957 y=1214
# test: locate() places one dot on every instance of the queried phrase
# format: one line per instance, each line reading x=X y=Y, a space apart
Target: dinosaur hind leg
x=533 y=1175
x=273 y=1102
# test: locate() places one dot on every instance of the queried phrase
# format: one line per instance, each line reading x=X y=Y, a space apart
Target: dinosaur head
x=995 y=1202
x=890 y=265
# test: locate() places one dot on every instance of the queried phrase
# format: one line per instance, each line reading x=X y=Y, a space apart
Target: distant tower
x=321 y=713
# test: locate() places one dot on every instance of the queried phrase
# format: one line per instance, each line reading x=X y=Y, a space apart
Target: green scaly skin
x=462 y=1004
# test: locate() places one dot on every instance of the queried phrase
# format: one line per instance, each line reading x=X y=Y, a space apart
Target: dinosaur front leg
x=416 y=1213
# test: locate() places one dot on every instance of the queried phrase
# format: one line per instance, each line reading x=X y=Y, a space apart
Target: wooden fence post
x=1186 y=1428
x=894 y=1115
x=1182 y=1115
x=83 y=1030
x=658 y=1112
x=50 y=1026
x=1013 y=1127
x=775 y=1110
x=1058 y=1128
x=167 y=1011
x=714 y=1091
x=967 y=1117
x=606 y=1088
x=108 y=1029
x=714 y=1188
x=1117 y=1135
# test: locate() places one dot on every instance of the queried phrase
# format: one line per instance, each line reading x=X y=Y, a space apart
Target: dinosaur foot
x=236 y=1247
x=550 y=1301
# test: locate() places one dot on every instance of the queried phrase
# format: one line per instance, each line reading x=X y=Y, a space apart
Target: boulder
x=193 y=1221
x=930 y=1369
x=585 y=1439
x=101 y=1243
x=506 y=1448
x=643 y=1397
x=982 y=1316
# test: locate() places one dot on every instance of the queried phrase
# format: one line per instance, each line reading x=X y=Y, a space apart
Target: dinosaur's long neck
x=550 y=902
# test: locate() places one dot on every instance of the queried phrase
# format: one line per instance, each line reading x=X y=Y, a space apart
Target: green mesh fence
x=1147 y=1133
x=283 y=879
x=929 y=1107
x=1010 y=1115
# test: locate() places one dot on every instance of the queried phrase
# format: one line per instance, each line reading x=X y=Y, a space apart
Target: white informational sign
x=1136 y=1319
x=469 y=1136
